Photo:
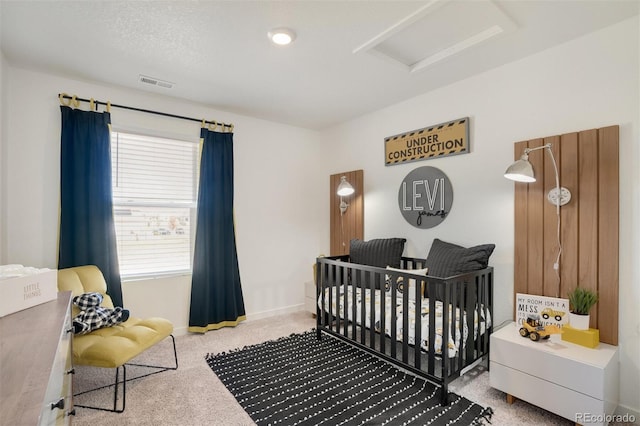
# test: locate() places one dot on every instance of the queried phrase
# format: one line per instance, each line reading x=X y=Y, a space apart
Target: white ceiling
x=349 y=58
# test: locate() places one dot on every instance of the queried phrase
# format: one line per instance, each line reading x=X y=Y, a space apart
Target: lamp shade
x=521 y=170
x=345 y=187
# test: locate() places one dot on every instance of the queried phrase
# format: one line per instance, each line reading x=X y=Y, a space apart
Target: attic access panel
x=437 y=31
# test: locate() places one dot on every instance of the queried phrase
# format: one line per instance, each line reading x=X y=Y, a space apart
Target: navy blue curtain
x=216 y=293
x=87 y=232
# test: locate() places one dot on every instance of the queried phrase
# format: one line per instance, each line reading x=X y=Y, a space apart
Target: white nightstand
x=575 y=382
x=310 y=297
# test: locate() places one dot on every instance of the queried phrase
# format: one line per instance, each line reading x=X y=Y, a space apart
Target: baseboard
x=626 y=414
x=275 y=312
x=180 y=331
x=254 y=316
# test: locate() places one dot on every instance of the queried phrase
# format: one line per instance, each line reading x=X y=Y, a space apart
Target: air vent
x=155 y=82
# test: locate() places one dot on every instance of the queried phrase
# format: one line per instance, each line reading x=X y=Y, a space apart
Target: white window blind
x=154 y=200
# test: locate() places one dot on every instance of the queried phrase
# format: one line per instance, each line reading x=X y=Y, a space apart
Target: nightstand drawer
x=542 y=393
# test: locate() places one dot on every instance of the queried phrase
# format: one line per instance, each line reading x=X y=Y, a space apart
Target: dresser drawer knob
x=71 y=412
x=59 y=404
x=71 y=371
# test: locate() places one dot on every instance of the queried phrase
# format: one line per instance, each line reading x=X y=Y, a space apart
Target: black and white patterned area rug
x=298 y=380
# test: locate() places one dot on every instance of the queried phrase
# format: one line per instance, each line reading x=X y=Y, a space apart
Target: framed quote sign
x=425 y=197
x=548 y=310
x=440 y=140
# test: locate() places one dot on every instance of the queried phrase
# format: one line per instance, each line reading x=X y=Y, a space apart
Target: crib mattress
x=338 y=308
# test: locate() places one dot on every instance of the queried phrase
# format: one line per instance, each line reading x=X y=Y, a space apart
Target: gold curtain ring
x=71 y=100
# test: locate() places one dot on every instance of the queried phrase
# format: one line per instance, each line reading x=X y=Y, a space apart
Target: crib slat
x=445 y=333
x=345 y=301
x=473 y=310
x=418 y=329
x=433 y=290
x=394 y=321
x=354 y=285
x=371 y=281
x=459 y=319
x=405 y=325
x=331 y=290
x=383 y=312
x=480 y=308
x=361 y=305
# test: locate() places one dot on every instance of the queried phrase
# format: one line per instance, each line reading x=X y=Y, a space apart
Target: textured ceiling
x=217 y=52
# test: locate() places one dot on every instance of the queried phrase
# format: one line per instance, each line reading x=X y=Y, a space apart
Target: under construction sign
x=441 y=140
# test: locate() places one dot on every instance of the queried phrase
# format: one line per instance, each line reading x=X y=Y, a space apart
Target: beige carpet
x=193 y=395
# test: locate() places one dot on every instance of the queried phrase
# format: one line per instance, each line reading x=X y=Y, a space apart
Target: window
x=154 y=201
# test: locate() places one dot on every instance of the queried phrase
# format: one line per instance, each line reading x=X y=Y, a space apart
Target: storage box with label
x=23 y=287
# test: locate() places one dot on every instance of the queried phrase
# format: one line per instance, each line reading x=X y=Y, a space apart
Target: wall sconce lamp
x=344 y=189
x=522 y=171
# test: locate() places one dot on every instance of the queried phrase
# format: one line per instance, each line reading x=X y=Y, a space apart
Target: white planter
x=579 y=322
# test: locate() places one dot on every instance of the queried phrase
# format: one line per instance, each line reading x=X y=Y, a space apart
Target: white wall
x=277 y=179
x=587 y=83
x=2 y=156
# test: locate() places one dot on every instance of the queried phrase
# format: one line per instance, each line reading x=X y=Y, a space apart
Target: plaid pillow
x=87 y=300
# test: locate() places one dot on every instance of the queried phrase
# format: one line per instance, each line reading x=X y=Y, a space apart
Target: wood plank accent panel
x=608 y=231
x=349 y=225
x=588 y=163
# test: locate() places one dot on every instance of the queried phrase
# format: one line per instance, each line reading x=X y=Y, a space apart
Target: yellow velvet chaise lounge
x=115 y=346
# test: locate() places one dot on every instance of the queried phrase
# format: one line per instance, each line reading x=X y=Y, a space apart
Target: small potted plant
x=581 y=300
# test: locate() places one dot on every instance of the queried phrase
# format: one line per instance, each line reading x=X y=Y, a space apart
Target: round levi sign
x=425 y=197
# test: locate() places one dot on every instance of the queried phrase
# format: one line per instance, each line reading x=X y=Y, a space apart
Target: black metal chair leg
x=125 y=380
x=159 y=367
x=124 y=390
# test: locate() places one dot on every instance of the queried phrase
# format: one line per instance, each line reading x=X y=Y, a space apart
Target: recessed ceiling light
x=281 y=36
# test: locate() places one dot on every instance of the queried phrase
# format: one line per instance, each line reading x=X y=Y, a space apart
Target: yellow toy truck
x=536 y=331
x=548 y=312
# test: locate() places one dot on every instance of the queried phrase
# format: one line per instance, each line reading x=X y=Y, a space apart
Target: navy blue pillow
x=380 y=252
x=446 y=259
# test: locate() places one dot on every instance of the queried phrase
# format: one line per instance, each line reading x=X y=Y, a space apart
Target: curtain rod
x=148 y=111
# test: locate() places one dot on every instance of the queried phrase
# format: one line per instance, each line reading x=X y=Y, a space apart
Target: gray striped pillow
x=380 y=252
x=446 y=259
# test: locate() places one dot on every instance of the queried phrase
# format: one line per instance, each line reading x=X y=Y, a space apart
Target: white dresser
x=572 y=381
x=36 y=365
